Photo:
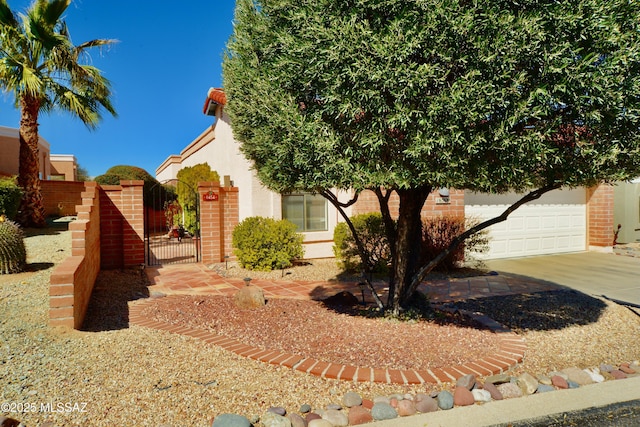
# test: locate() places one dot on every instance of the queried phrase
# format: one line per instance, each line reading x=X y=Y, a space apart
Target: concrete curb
x=525 y=408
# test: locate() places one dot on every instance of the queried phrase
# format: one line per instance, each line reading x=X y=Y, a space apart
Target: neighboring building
x=560 y=221
x=52 y=166
x=627 y=211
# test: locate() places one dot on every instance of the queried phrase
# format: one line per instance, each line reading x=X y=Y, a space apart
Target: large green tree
x=407 y=96
x=187 y=191
x=44 y=70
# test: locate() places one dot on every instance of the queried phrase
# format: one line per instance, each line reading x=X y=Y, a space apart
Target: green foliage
x=13 y=254
x=10 y=194
x=370 y=229
x=82 y=174
x=187 y=190
x=266 y=244
x=439 y=232
x=115 y=174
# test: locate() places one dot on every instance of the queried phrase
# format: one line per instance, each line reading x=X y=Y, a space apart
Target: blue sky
x=169 y=54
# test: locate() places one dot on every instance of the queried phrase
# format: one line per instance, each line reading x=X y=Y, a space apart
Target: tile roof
x=214 y=95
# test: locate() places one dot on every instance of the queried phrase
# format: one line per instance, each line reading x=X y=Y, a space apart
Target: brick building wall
x=60 y=198
x=218 y=217
x=600 y=216
x=433 y=207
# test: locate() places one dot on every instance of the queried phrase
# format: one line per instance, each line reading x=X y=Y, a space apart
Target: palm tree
x=43 y=69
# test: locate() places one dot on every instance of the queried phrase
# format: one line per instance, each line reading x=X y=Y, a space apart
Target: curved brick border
x=510 y=353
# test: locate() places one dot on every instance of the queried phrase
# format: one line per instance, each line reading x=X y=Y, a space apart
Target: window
x=307 y=211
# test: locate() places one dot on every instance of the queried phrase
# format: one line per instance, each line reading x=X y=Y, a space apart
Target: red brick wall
x=368 y=202
x=600 y=216
x=218 y=218
x=60 y=198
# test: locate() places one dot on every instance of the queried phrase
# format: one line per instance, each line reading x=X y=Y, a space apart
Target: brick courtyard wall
x=600 y=217
x=433 y=207
x=218 y=217
x=60 y=198
x=71 y=283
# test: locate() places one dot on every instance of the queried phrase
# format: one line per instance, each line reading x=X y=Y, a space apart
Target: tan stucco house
x=561 y=221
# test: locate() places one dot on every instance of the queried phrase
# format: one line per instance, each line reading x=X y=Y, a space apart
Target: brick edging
x=510 y=353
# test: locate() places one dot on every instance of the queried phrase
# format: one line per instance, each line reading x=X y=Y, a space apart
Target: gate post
x=218 y=218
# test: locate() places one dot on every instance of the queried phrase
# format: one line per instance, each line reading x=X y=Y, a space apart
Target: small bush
x=266 y=244
x=439 y=232
x=10 y=194
x=370 y=229
x=13 y=254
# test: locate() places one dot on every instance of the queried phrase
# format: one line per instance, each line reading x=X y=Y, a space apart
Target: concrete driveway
x=593 y=273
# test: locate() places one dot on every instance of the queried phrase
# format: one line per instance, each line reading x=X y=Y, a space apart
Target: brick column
x=600 y=217
x=218 y=218
x=132 y=210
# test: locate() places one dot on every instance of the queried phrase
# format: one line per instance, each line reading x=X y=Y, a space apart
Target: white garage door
x=555 y=223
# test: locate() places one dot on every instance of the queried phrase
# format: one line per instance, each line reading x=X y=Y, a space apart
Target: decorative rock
x=527 y=383
x=336 y=417
x=543 y=379
x=320 y=423
x=618 y=374
x=481 y=395
x=359 y=415
x=573 y=384
x=383 y=411
x=498 y=379
x=230 y=420
x=509 y=390
x=367 y=403
x=9 y=422
x=466 y=381
x=351 y=399
x=343 y=299
x=606 y=368
x=559 y=374
x=305 y=408
x=297 y=420
x=559 y=382
x=445 y=400
x=382 y=399
x=334 y=406
x=627 y=369
x=578 y=375
x=543 y=388
x=462 y=397
x=271 y=419
x=312 y=416
x=493 y=390
x=277 y=410
x=426 y=404
x=393 y=402
x=249 y=296
x=595 y=375
x=406 y=408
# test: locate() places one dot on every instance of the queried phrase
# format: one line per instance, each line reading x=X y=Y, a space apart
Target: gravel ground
x=112 y=374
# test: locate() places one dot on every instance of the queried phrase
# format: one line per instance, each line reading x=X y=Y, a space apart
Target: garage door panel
x=536 y=229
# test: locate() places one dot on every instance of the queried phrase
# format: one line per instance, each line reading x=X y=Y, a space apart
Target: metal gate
x=171 y=224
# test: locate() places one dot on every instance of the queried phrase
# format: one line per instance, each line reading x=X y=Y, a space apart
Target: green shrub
x=115 y=174
x=439 y=232
x=266 y=244
x=13 y=254
x=370 y=229
x=10 y=194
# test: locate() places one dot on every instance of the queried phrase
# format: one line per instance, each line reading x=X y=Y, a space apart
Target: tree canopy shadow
x=108 y=307
x=539 y=311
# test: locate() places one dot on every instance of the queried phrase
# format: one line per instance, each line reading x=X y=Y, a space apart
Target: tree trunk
x=31 y=212
x=408 y=245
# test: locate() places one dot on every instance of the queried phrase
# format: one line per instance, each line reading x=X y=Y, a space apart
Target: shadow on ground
x=541 y=311
x=108 y=308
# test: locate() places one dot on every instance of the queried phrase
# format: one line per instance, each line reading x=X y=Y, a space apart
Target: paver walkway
x=197 y=279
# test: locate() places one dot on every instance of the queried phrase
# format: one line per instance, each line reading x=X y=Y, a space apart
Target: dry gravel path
x=113 y=374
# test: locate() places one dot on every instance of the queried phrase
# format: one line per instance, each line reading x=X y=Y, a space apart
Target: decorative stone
x=297 y=420
x=481 y=395
x=543 y=379
x=559 y=374
x=543 y=388
x=271 y=419
x=509 y=390
x=606 y=368
x=573 y=384
x=527 y=383
x=336 y=417
x=498 y=379
x=445 y=400
x=578 y=375
x=406 y=408
x=382 y=399
x=320 y=423
x=9 y=422
x=462 y=397
x=627 y=369
x=559 y=382
x=230 y=420
x=426 y=404
x=383 y=411
x=493 y=390
x=312 y=416
x=342 y=299
x=351 y=398
x=393 y=402
x=249 y=296
x=618 y=374
x=367 y=403
x=359 y=415
x=305 y=408
x=595 y=375
x=333 y=406
x=277 y=410
x=466 y=381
